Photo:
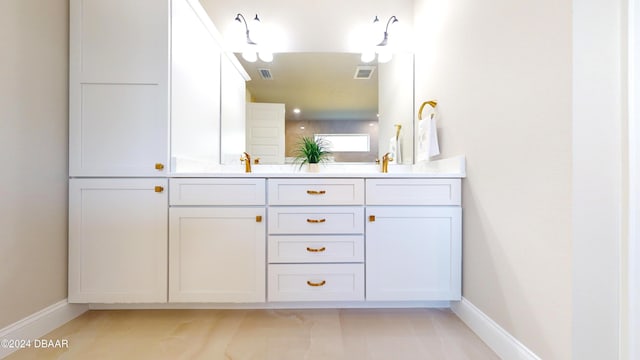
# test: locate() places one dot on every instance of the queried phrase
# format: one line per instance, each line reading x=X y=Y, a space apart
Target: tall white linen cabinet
x=133 y=66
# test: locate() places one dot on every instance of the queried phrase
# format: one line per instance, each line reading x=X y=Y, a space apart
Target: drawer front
x=316 y=191
x=413 y=192
x=316 y=282
x=316 y=220
x=217 y=191
x=316 y=249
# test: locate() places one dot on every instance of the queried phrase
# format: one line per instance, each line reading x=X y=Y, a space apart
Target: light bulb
x=368 y=56
x=266 y=56
x=249 y=55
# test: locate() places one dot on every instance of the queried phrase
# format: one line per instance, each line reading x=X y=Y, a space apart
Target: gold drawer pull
x=316 y=250
x=158 y=189
x=316 y=192
x=159 y=166
x=258 y=218
x=316 y=221
x=321 y=283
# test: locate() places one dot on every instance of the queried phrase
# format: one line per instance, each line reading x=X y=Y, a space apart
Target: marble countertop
x=454 y=167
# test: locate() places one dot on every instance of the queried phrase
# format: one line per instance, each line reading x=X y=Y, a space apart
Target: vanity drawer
x=316 y=191
x=413 y=192
x=217 y=191
x=316 y=220
x=316 y=282
x=316 y=249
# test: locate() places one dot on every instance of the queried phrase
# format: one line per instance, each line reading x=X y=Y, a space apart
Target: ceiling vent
x=364 y=72
x=265 y=74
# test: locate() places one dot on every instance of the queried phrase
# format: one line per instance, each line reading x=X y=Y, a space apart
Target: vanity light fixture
x=251 y=51
x=392 y=20
x=382 y=48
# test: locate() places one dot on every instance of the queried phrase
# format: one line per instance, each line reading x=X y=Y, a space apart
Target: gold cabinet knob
x=158 y=189
x=258 y=218
x=372 y=218
x=159 y=166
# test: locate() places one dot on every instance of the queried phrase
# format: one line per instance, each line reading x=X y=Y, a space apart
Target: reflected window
x=346 y=142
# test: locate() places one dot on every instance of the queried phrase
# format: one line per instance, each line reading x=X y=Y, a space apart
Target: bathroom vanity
x=326 y=239
x=146 y=230
x=255 y=238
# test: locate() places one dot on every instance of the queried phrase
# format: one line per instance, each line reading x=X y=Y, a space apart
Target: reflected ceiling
x=322 y=85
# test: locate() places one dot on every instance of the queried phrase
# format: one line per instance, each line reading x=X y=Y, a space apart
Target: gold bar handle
x=158 y=189
x=316 y=192
x=159 y=166
x=316 y=221
x=316 y=250
x=321 y=283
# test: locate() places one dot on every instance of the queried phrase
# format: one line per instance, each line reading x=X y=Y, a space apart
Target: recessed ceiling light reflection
x=296 y=111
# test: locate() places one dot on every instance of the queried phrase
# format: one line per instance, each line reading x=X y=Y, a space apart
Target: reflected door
x=265 y=132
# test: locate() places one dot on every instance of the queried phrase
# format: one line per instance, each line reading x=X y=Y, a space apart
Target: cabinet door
x=117 y=240
x=217 y=254
x=118 y=87
x=413 y=253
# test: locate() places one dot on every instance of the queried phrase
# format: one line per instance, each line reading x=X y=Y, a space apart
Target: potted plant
x=312 y=152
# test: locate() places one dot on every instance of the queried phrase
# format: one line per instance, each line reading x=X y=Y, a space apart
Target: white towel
x=427 y=139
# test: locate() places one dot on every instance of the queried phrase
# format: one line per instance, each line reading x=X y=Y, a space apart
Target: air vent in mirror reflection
x=364 y=72
x=265 y=74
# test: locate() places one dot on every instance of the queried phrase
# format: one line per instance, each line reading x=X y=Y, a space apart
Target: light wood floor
x=395 y=334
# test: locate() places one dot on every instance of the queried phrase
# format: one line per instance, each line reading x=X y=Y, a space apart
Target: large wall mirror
x=356 y=106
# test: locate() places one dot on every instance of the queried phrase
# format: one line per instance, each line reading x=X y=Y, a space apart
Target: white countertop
x=454 y=167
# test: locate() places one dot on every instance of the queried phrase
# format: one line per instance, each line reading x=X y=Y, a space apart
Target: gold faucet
x=385 y=162
x=247 y=162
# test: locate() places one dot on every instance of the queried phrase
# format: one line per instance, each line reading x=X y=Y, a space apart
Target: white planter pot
x=313 y=168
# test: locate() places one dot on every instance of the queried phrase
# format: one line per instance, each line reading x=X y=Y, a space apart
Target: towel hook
x=432 y=103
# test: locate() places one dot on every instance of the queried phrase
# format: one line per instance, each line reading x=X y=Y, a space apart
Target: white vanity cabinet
x=217 y=240
x=117 y=240
x=316 y=239
x=413 y=240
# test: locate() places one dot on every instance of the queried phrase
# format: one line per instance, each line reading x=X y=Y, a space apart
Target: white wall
x=501 y=72
x=33 y=143
x=598 y=92
x=303 y=26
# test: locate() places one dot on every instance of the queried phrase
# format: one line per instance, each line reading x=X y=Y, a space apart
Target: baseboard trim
x=40 y=323
x=277 y=305
x=497 y=338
